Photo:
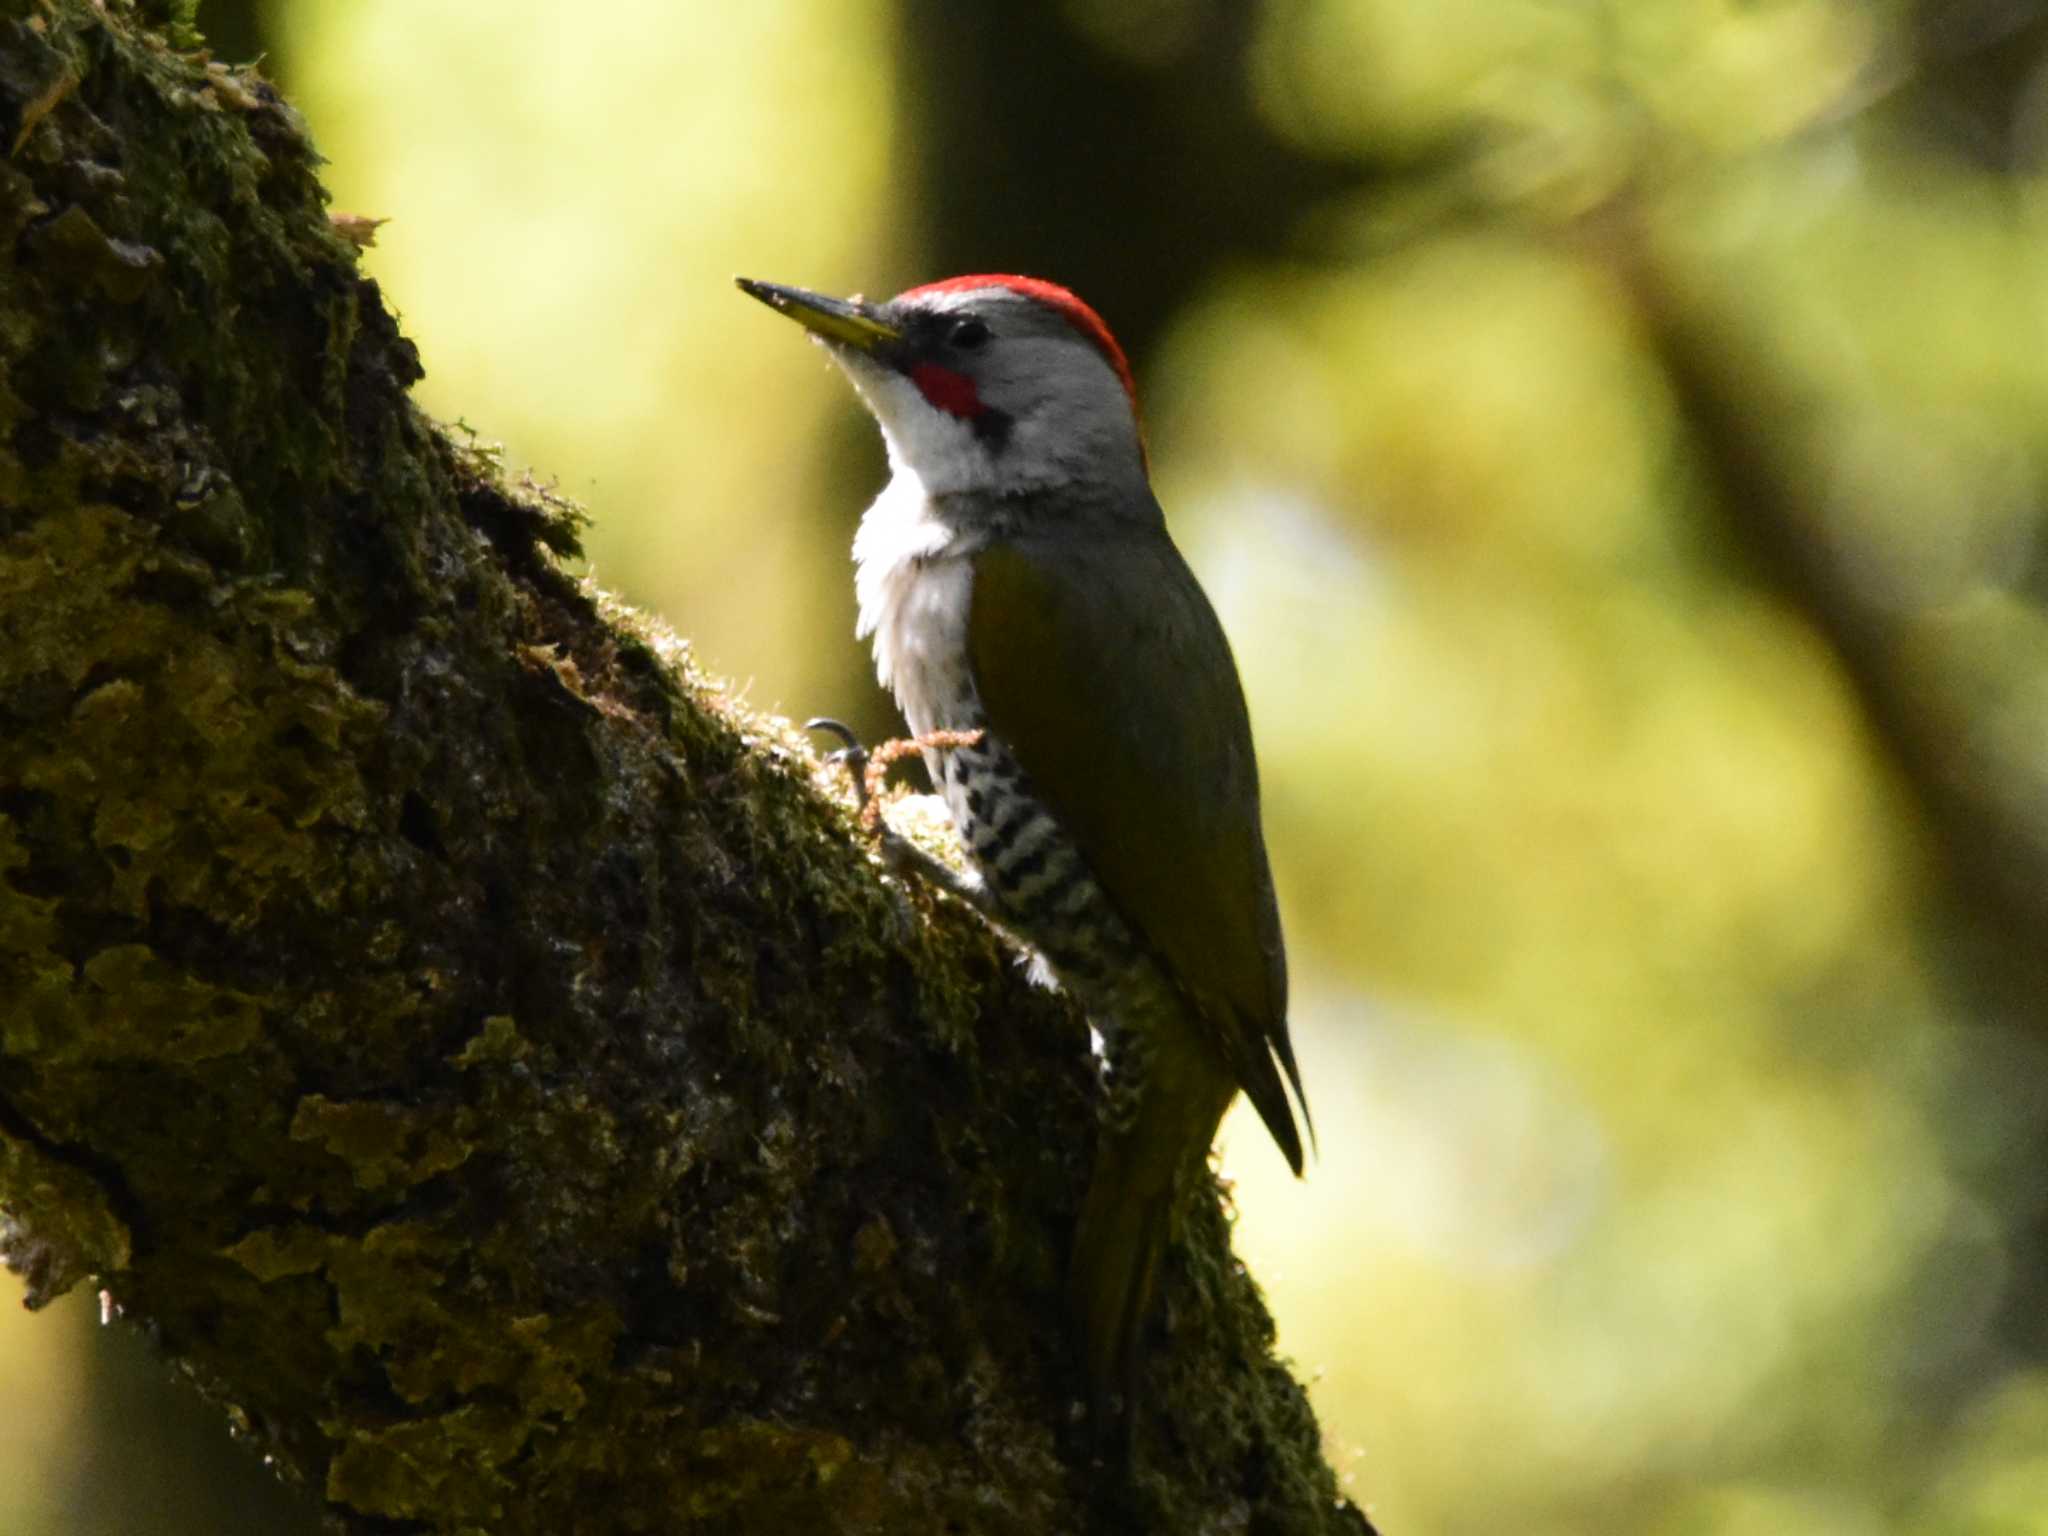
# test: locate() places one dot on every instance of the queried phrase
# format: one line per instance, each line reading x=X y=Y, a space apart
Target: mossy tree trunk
x=476 y=1050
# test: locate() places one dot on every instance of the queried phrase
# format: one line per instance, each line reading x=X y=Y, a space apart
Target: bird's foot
x=851 y=756
x=867 y=769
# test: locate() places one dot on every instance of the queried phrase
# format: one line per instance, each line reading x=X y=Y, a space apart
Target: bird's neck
x=915 y=520
x=913 y=558
x=906 y=524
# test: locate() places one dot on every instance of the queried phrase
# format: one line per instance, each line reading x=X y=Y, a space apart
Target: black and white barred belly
x=1040 y=887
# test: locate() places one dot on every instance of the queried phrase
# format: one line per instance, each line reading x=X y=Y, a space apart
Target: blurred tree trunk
x=469 y=1043
x=1949 y=692
x=1115 y=149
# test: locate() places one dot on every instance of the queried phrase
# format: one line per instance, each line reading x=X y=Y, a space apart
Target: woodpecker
x=1017 y=580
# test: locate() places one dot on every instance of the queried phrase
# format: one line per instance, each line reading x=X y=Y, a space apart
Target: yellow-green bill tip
x=850 y=322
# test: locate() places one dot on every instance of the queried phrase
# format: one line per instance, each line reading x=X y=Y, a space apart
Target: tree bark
x=470 y=1043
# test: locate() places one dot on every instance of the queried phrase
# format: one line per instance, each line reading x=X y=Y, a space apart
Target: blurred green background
x=1614 y=432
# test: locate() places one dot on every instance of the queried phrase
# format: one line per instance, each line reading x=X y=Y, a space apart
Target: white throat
x=938 y=451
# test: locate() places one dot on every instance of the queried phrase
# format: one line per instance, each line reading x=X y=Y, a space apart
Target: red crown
x=1053 y=296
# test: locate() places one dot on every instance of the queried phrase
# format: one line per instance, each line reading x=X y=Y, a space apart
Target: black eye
x=969 y=335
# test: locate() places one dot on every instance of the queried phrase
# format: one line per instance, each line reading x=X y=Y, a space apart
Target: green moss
x=497 y=1041
x=752 y=1463
x=561 y=1354
x=449 y=1463
x=134 y=1005
x=61 y=1225
x=28 y=923
x=178 y=20
x=277 y=1252
x=381 y=1142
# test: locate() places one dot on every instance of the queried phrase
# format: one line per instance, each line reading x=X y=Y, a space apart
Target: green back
x=1103 y=667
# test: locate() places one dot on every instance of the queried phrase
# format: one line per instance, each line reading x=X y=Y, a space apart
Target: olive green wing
x=1103 y=667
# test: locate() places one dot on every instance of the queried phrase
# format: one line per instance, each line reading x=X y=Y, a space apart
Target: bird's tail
x=1126 y=1219
x=1114 y=1274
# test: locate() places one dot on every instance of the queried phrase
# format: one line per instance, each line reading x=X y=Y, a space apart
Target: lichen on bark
x=476 y=1046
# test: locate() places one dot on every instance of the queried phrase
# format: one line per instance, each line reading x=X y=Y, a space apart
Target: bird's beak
x=850 y=322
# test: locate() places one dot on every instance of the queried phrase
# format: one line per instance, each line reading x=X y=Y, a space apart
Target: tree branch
x=470 y=1042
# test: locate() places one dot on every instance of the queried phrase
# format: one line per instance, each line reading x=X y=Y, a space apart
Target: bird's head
x=994 y=384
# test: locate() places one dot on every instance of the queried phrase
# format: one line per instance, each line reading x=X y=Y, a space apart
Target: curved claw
x=851 y=753
x=839 y=728
x=902 y=856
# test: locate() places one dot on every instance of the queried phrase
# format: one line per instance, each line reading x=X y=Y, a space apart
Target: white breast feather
x=914 y=582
